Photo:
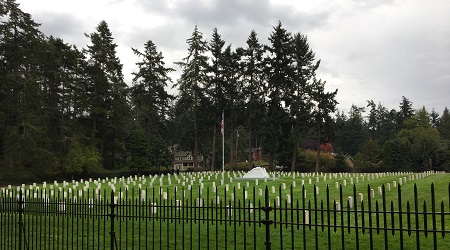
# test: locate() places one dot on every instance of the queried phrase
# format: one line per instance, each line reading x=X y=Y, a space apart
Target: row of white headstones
x=188 y=181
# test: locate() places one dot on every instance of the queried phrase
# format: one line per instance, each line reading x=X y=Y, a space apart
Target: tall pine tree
x=107 y=96
x=23 y=136
x=300 y=101
x=280 y=73
x=150 y=97
x=191 y=84
x=215 y=89
x=253 y=78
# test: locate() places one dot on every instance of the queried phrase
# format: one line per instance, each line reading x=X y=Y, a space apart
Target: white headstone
x=288 y=199
x=229 y=210
x=307 y=216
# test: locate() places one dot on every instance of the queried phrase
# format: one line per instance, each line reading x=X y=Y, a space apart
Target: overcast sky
x=369 y=49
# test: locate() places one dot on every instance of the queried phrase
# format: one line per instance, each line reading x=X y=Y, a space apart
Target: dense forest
x=68 y=112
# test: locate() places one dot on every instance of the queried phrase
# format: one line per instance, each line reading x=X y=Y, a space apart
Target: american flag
x=221 y=127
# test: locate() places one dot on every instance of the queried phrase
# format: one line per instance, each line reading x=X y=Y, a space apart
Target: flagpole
x=223 y=142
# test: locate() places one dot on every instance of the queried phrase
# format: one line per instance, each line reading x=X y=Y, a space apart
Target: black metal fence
x=268 y=219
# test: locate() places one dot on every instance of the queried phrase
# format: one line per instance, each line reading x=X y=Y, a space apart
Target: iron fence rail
x=117 y=220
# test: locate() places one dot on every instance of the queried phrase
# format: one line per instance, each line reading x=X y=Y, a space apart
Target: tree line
x=399 y=140
x=67 y=111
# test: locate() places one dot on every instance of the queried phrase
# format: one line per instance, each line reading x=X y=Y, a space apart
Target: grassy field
x=222 y=211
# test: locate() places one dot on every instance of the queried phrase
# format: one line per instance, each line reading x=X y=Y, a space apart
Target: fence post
x=267 y=222
x=20 y=211
x=112 y=233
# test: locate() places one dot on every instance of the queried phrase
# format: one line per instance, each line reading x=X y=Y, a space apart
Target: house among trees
x=183 y=160
x=256 y=154
x=350 y=162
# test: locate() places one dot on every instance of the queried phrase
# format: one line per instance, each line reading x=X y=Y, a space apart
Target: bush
x=307 y=161
x=339 y=165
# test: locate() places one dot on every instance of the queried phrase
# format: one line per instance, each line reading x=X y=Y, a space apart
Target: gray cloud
x=368 y=4
x=62 y=25
x=370 y=49
x=232 y=16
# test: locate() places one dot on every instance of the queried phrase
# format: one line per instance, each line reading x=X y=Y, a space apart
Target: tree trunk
x=213 y=160
x=270 y=162
x=231 y=151
x=294 y=157
x=237 y=144
x=149 y=133
x=318 y=150
x=113 y=149
x=195 y=142
x=250 y=158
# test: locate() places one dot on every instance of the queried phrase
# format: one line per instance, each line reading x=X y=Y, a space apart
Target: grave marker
x=338 y=206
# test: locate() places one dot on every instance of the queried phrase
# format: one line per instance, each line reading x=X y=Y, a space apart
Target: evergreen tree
x=398 y=155
x=253 y=79
x=434 y=118
x=381 y=123
x=280 y=73
x=352 y=132
x=149 y=96
x=425 y=140
x=369 y=158
x=301 y=97
x=406 y=111
x=372 y=123
x=59 y=73
x=191 y=84
x=234 y=98
x=443 y=124
x=325 y=105
x=107 y=96
x=160 y=154
x=215 y=89
x=138 y=150
x=23 y=136
x=340 y=165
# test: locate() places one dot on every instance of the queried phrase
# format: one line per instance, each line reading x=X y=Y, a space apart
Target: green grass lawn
x=220 y=211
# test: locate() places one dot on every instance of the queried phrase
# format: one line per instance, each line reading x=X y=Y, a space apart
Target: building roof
x=182 y=153
x=253 y=150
